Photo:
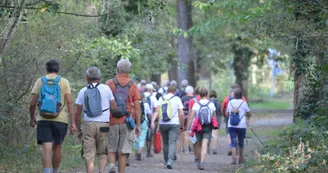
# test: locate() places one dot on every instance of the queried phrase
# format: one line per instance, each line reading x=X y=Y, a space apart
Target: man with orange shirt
x=223 y=110
x=121 y=130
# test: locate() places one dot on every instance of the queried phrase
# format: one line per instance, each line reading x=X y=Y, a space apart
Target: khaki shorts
x=121 y=139
x=95 y=140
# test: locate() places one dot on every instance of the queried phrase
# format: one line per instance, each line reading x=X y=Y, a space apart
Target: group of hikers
x=121 y=115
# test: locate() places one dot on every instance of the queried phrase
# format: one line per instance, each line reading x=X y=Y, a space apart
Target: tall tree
x=186 y=53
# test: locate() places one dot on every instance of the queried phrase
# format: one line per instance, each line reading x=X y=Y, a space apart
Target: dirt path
x=213 y=163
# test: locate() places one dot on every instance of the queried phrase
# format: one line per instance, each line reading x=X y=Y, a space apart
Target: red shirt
x=133 y=96
x=192 y=102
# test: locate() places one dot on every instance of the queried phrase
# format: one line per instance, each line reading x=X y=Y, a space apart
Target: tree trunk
x=13 y=25
x=186 y=52
x=156 y=78
x=241 y=63
x=173 y=72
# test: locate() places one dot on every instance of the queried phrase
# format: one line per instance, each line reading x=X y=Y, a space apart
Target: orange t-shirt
x=133 y=96
x=225 y=103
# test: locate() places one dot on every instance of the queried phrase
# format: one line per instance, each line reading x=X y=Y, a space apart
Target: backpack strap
x=44 y=79
x=171 y=98
x=116 y=82
x=56 y=80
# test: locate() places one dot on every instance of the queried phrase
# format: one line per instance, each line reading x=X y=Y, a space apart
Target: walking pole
x=257 y=136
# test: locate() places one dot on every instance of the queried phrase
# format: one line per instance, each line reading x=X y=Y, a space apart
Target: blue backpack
x=49 y=102
x=234 y=115
x=92 y=102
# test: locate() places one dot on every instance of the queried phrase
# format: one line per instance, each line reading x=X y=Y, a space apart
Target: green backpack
x=165 y=111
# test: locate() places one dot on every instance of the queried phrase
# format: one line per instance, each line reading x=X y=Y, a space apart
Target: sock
x=111 y=166
x=46 y=170
x=55 y=170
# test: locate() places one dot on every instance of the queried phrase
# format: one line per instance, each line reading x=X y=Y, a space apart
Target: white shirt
x=196 y=106
x=106 y=96
x=176 y=104
x=147 y=110
x=242 y=112
x=153 y=102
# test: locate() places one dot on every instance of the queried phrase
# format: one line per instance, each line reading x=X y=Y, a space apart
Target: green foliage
x=302 y=147
x=270 y=104
x=105 y=53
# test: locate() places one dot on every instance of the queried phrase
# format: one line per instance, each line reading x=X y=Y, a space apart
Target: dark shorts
x=235 y=133
x=206 y=133
x=51 y=131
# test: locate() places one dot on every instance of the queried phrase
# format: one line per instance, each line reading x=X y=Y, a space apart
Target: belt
x=95 y=122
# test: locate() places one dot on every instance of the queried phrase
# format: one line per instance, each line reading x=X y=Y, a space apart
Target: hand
x=138 y=131
x=72 y=129
x=248 y=122
x=32 y=122
x=79 y=135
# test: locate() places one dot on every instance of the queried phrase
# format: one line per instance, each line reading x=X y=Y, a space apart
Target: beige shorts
x=95 y=140
x=121 y=139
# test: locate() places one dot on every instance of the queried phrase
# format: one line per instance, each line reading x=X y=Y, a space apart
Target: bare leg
x=112 y=159
x=56 y=156
x=234 y=154
x=46 y=154
x=204 y=147
x=102 y=162
x=89 y=166
x=199 y=149
x=186 y=141
x=121 y=162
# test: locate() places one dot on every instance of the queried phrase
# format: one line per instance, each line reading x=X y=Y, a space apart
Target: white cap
x=149 y=87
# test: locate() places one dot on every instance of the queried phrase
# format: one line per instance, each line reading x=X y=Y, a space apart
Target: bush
x=302 y=147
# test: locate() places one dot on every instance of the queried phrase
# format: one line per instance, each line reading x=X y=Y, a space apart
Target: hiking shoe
x=112 y=170
x=241 y=160
x=190 y=150
x=229 y=153
x=139 y=156
x=169 y=164
x=150 y=155
x=215 y=152
x=201 y=166
x=196 y=160
x=234 y=161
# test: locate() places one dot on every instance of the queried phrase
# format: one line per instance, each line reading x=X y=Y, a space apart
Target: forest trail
x=219 y=163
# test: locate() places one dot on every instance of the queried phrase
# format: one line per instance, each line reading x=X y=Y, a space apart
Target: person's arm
x=137 y=109
x=181 y=119
x=32 y=109
x=70 y=106
x=78 y=113
x=190 y=118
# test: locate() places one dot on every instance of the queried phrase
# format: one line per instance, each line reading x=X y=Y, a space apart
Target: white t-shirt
x=196 y=106
x=106 y=96
x=176 y=104
x=147 y=110
x=153 y=102
x=242 y=112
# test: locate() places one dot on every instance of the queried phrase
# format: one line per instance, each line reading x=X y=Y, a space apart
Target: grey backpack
x=205 y=114
x=92 y=101
x=121 y=95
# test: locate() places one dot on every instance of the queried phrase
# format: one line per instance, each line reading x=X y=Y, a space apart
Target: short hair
x=184 y=83
x=93 y=74
x=52 y=66
x=173 y=83
x=197 y=90
x=124 y=66
x=203 y=92
x=171 y=89
x=213 y=94
x=238 y=94
x=189 y=89
x=149 y=87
